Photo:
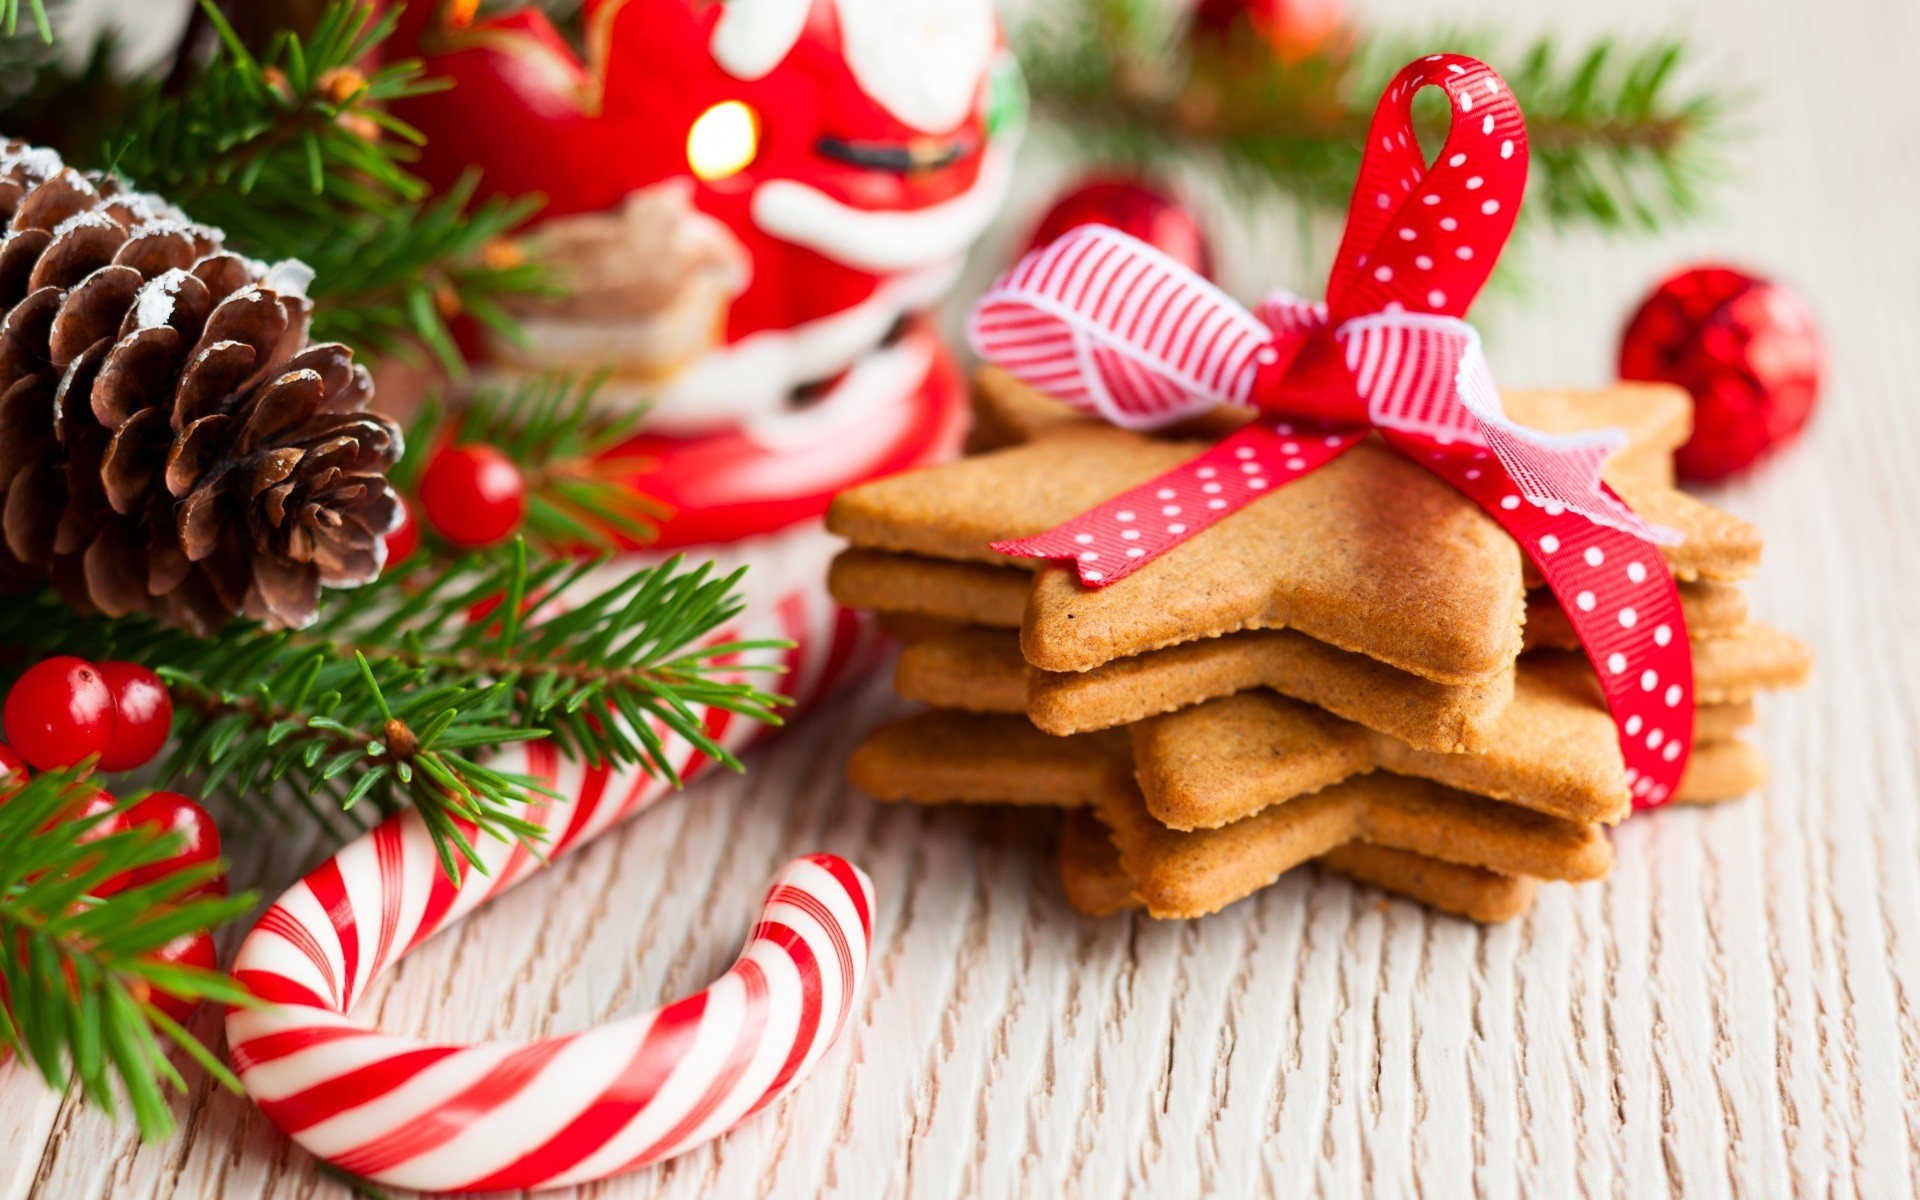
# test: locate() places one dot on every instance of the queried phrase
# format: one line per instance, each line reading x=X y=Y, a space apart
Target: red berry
x=187 y=950
x=59 y=713
x=143 y=715
x=1133 y=207
x=170 y=811
x=473 y=495
x=13 y=771
x=405 y=538
x=96 y=803
x=1746 y=349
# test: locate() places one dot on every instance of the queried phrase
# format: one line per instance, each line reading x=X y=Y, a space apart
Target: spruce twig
x=294 y=154
x=580 y=492
x=1618 y=140
x=400 y=691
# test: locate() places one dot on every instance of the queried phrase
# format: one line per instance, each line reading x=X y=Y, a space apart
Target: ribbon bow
x=1110 y=326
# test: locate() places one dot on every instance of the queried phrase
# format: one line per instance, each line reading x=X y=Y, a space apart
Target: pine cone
x=169 y=442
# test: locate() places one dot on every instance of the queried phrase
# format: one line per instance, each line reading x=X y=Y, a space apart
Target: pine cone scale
x=212 y=374
x=135 y=459
x=32 y=512
x=156 y=251
x=81 y=246
x=52 y=200
x=130 y=378
x=18 y=254
x=23 y=339
x=92 y=312
x=192 y=450
x=115 y=571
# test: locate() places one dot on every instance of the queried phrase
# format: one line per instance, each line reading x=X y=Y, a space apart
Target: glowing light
x=723 y=141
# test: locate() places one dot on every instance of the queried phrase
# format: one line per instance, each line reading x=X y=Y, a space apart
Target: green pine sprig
x=1619 y=139
x=580 y=491
x=295 y=153
x=77 y=975
x=401 y=691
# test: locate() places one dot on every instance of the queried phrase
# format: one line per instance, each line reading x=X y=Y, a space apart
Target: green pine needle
x=76 y=969
x=10 y=18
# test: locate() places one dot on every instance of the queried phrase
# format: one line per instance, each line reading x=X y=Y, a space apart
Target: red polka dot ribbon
x=1113 y=327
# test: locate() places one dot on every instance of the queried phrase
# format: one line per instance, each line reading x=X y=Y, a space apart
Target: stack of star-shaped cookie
x=1360 y=668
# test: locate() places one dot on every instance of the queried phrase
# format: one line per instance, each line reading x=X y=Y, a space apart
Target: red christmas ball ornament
x=1293 y=28
x=1132 y=207
x=173 y=813
x=59 y=713
x=143 y=715
x=473 y=495
x=1748 y=351
x=405 y=538
x=187 y=950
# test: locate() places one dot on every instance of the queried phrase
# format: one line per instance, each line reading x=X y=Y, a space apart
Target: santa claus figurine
x=748 y=205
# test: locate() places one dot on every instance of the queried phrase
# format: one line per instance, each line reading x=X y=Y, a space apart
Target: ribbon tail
x=1547 y=468
x=1108 y=543
x=1620 y=598
x=1108 y=325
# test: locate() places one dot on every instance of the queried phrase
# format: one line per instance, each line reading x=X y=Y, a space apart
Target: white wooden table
x=1734 y=1012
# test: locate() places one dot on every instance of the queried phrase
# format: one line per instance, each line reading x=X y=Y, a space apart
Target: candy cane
x=578 y=1107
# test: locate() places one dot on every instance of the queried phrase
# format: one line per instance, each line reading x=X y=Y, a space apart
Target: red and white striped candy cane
x=574 y=1108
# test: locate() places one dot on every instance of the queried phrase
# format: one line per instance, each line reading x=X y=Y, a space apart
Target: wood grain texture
x=1735 y=1012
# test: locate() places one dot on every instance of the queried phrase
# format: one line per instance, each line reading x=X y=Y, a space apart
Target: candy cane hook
x=560 y=1110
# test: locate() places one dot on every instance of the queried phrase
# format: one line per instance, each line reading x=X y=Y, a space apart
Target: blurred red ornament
x=473 y=495
x=1132 y=207
x=1294 y=28
x=1746 y=348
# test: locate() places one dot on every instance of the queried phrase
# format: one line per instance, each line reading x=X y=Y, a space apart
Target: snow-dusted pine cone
x=169 y=442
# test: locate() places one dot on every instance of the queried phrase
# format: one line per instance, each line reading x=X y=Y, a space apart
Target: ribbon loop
x=1425 y=237
x=1109 y=325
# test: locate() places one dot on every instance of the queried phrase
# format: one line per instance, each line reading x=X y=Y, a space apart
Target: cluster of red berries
x=470 y=495
x=65 y=711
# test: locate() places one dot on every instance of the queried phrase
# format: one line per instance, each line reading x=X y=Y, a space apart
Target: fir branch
x=580 y=493
x=294 y=155
x=302 y=125
x=1618 y=141
x=408 y=271
x=400 y=692
x=77 y=973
